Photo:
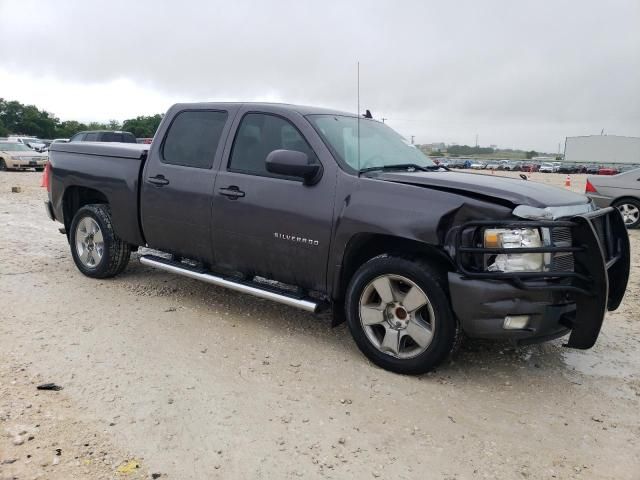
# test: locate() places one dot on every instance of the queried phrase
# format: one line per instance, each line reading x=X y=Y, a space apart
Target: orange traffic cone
x=567 y=181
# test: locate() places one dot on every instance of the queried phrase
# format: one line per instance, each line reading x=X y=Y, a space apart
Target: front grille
x=561 y=262
x=561 y=236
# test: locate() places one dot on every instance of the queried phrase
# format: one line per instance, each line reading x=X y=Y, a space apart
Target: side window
x=193 y=137
x=77 y=137
x=260 y=134
x=91 y=137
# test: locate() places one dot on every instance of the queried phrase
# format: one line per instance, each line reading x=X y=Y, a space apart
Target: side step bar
x=175 y=267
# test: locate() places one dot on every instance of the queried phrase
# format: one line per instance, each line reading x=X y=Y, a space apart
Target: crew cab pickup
x=320 y=209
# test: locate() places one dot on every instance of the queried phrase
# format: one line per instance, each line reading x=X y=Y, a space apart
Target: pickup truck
x=328 y=211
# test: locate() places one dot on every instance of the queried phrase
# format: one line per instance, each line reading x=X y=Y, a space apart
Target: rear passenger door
x=178 y=181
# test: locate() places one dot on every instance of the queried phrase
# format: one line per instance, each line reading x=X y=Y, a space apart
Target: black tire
x=39 y=169
x=632 y=202
x=445 y=331
x=116 y=253
x=3 y=166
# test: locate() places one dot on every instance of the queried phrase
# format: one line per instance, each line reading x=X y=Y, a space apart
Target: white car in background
x=31 y=142
x=549 y=168
x=478 y=166
x=17 y=156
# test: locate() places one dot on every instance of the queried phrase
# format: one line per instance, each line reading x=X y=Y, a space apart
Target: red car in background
x=530 y=167
x=608 y=171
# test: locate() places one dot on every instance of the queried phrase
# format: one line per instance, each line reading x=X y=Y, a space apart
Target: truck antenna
x=358 y=111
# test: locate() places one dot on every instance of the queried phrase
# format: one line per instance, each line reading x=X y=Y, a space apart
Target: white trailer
x=602 y=149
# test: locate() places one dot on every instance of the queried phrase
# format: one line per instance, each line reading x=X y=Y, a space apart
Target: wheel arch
x=625 y=197
x=76 y=197
x=365 y=246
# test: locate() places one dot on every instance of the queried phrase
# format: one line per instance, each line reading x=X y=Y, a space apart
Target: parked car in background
x=548 y=168
x=530 y=167
x=104 y=136
x=511 y=166
x=18 y=156
x=621 y=191
x=569 y=168
x=55 y=140
x=608 y=171
x=31 y=142
x=459 y=163
x=477 y=165
x=592 y=169
x=145 y=141
x=492 y=165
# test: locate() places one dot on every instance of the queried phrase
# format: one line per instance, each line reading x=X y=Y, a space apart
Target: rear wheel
x=96 y=249
x=630 y=210
x=399 y=314
x=3 y=166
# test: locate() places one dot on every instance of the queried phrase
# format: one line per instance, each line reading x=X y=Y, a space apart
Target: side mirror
x=294 y=164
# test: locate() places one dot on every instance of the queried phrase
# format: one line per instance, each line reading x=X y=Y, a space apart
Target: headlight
x=513 y=238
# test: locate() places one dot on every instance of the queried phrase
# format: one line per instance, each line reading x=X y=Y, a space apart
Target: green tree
x=532 y=153
x=68 y=128
x=143 y=126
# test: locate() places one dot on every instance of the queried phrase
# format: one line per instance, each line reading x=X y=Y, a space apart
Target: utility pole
x=476 y=139
x=412 y=137
x=383 y=119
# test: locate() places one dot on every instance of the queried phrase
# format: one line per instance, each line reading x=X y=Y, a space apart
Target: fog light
x=515 y=322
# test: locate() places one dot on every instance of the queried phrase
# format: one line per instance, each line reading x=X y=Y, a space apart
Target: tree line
x=19 y=119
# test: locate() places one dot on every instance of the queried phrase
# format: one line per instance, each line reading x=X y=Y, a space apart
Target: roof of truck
x=302 y=109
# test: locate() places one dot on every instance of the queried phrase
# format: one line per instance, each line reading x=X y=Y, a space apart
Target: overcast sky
x=521 y=74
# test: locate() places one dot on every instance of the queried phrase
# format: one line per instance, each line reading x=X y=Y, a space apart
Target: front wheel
x=399 y=315
x=96 y=249
x=630 y=210
x=3 y=166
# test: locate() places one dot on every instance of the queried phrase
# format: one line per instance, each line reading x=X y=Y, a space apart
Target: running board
x=184 y=270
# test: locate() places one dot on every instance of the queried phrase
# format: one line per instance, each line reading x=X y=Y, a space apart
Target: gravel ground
x=169 y=377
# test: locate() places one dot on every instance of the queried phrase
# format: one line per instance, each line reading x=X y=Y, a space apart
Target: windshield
x=547 y=165
x=380 y=146
x=14 y=147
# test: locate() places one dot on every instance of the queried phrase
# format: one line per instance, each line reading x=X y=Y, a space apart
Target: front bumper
x=558 y=302
x=23 y=165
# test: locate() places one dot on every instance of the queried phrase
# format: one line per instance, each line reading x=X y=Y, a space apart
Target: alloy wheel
x=397 y=316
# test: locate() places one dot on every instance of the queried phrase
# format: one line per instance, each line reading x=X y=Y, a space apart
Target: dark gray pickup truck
x=320 y=209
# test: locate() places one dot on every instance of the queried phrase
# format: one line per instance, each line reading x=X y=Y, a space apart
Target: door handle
x=232 y=192
x=158 y=180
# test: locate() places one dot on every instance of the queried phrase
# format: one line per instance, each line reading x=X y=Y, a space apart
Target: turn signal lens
x=491 y=239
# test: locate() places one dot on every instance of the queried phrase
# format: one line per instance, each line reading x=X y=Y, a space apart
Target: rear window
x=193 y=137
x=124 y=137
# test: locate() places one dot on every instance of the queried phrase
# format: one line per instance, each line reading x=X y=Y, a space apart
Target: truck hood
x=500 y=189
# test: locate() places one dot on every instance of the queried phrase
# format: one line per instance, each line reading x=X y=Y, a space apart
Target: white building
x=602 y=149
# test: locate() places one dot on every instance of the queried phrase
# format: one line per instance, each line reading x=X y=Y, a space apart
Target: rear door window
x=193 y=138
x=91 y=137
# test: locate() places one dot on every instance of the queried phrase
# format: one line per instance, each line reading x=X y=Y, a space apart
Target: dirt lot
x=167 y=376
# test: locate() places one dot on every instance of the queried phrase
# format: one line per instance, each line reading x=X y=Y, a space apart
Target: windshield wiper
x=410 y=167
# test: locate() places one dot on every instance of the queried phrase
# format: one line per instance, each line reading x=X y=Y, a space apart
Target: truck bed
x=110 y=168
